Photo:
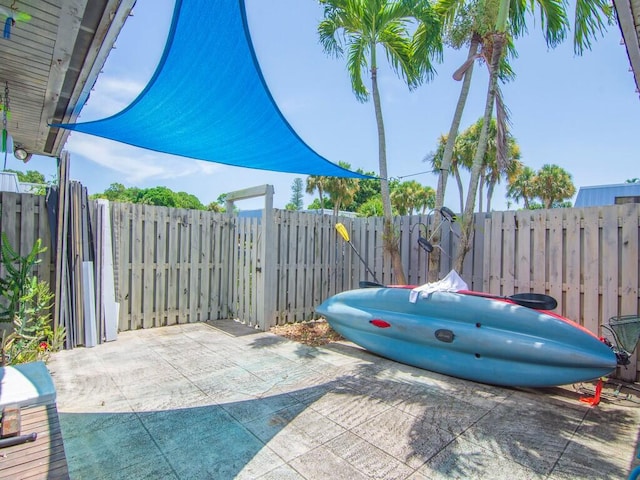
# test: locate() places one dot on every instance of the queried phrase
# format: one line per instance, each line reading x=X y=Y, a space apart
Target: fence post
x=265 y=269
x=267 y=286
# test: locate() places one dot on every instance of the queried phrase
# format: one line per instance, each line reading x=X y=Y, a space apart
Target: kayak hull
x=487 y=340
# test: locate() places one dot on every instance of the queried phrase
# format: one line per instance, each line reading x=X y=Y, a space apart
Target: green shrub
x=25 y=303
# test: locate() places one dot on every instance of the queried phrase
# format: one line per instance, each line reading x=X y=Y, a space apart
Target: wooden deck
x=42 y=459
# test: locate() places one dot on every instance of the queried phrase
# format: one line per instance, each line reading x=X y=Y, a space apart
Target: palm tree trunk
x=480 y=190
x=434 y=257
x=466 y=238
x=389 y=236
x=490 y=189
x=460 y=189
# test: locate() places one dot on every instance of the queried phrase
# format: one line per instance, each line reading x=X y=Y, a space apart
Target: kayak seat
x=539 y=301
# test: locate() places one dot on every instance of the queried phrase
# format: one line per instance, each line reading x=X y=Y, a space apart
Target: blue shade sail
x=209 y=101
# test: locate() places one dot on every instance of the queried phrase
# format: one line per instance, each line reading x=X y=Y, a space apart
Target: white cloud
x=136 y=164
x=110 y=96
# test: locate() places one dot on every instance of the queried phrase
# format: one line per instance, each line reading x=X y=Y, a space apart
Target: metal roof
x=597 y=195
x=629 y=20
x=51 y=62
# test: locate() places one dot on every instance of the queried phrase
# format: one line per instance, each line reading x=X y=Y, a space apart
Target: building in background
x=599 y=195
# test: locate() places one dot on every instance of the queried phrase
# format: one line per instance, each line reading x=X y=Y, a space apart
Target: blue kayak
x=468 y=335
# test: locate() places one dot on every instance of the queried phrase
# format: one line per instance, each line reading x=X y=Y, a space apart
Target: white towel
x=451 y=283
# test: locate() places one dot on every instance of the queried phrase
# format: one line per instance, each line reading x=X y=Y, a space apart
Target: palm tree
x=341 y=190
x=494 y=170
x=411 y=196
x=316 y=182
x=425 y=199
x=553 y=185
x=362 y=26
x=590 y=17
x=465 y=22
x=521 y=186
x=456 y=163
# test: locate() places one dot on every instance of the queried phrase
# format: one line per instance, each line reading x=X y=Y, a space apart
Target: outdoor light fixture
x=21 y=154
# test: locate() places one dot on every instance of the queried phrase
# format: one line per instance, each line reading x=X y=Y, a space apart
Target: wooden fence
x=175 y=266
x=24 y=220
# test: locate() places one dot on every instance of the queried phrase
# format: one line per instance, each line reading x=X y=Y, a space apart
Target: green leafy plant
x=25 y=304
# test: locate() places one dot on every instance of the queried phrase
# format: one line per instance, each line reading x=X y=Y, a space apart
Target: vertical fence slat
x=194 y=293
x=148 y=225
x=161 y=279
x=572 y=265
x=629 y=266
x=609 y=258
x=509 y=252
x=206 y=244
x=555 y=255
x=523 y=259
x=493 y=257
x=590 y=269
x=539 y=225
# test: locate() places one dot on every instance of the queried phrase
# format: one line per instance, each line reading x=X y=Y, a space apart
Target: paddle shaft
x=345 y=235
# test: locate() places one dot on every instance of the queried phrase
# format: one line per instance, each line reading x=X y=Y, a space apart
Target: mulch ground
x=313 y=333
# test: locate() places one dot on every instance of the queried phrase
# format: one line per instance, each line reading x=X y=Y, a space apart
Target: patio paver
x=224 y=401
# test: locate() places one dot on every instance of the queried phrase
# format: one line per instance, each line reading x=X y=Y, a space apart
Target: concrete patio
x=197 y=401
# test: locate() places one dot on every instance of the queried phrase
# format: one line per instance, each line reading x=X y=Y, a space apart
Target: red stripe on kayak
x=376 y=322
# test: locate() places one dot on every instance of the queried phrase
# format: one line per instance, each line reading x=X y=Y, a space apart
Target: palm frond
x=447 y=10
x=427 y=44
x=327 y=31
x=397 y=46
x=502 y=133
x=554 y=20
x=356 y=63
x=591 y=19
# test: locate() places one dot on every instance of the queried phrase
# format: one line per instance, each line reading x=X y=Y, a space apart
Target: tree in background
x=590 y=19
x=315 y=205
x=361 y=26
x=367 y=190
x=159 y=196
x=34 y=178
x=467 y=23
x=632 y=180
x=117 y=192
x=425 y=199
x=189 y=201
x=297 y=189
x=552 y=185
x=412 y=197
x=341 y=190
x=371 y=208
x=215 y=207
x=456 y=162
x=316 y=182
x=521 y=186
x=494 y=170
x=219 y=206
x=30 y=176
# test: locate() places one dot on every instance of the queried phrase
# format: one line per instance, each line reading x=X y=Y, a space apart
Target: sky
x=579 y=112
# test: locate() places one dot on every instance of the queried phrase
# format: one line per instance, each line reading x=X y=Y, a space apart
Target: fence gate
x=248 y=291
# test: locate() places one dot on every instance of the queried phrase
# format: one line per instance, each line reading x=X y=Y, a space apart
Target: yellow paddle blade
x=342 y=231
